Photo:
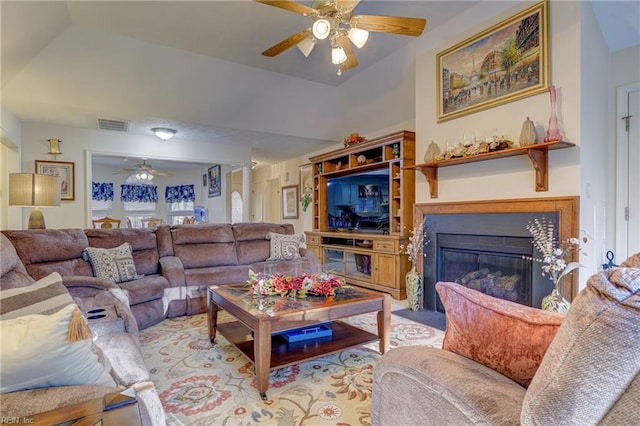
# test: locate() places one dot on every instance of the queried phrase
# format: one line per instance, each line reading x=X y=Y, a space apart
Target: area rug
x=424 y=316
x=203 y=384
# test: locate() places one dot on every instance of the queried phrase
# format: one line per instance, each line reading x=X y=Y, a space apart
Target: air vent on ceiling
x=117 y=125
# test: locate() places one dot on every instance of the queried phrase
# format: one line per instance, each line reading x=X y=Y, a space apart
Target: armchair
x=503 y=363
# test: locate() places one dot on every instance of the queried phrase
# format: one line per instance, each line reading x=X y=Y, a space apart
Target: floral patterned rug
x=201 y=384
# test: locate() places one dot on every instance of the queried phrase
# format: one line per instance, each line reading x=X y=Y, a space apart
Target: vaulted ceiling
x=196 y=66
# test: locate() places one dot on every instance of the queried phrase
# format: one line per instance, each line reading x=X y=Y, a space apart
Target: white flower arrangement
x=554 y=254
x=416 y=244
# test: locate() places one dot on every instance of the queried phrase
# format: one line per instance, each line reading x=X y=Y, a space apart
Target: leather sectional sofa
x=175 y=264
x=174 y=267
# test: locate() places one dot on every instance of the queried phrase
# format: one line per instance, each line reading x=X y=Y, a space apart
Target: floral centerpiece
x=554 y=260
x=414 y=249
x=321 y=284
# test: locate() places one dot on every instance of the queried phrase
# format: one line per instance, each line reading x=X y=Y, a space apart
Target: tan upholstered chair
x=106 y=223
x=506 y=364
x=151 y=222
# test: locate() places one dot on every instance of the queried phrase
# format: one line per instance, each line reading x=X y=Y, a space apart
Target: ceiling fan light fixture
x=321 y=29
x=338 y=56
x=306 y=46
x=164 y=133
x=358 y=36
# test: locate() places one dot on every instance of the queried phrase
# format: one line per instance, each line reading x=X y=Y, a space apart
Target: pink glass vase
x=553 y=133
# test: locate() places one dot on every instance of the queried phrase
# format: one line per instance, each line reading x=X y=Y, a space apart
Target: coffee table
x=259 y=317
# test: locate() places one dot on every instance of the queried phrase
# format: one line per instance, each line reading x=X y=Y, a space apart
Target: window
x=236 y=207
x=139 y=201
x=180 y=203
x=101 y=199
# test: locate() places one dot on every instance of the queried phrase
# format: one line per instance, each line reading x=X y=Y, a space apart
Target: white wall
x=597 y=172
x=10 y=163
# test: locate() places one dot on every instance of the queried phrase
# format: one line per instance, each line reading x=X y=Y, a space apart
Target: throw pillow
x=36 y=352
x=114 y=264
x=45 y=296
x=285 y=246
x=505 y=336
x=589 y=375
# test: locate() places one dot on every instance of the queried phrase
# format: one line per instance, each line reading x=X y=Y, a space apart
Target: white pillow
x=114 y=264
x=36 y=353
x=285 y=246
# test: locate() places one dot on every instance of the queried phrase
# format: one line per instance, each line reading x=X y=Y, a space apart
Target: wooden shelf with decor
x=538 y=154
x=394 y=156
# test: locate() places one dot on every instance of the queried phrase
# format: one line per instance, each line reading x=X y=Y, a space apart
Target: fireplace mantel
x=565 y=209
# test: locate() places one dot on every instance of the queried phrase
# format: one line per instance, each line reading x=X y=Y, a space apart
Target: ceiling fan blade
x=277 y=49
x=160 y=172
x=346 y=5
x=290 y=6
x=390 y=24
x=352 y=61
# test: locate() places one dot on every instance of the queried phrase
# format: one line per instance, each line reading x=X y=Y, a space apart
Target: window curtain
x=101 y=191
x=139 y=193
x=176 y=194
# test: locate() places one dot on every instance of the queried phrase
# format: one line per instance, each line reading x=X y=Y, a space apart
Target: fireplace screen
x=505 y=276
x=494 y=265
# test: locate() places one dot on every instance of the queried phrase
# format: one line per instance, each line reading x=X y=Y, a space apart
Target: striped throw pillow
x=46 y=296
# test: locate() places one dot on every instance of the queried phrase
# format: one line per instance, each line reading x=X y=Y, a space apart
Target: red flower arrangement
x=354 y=138
x=322 y=284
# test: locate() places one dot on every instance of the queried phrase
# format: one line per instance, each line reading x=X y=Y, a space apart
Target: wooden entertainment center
x=366 y=257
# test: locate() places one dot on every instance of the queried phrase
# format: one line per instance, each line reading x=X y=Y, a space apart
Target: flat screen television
x=359 y=202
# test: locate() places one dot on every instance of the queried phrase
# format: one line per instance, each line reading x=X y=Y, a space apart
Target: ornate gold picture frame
x=504 y=63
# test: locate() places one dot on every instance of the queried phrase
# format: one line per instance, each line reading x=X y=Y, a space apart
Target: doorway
x=628 y=172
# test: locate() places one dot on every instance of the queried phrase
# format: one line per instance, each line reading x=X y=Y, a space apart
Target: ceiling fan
x=334 y=19
x=145 y=171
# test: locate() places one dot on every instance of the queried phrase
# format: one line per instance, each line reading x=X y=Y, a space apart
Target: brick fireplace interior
x=484 y=245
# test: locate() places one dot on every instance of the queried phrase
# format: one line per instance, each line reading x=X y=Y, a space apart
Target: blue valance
x=140 y=193
x=175 y=194
x=101 y=191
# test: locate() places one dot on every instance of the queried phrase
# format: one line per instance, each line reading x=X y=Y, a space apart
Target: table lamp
x=34 y=190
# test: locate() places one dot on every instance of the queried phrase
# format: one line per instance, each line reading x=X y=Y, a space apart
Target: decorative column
x=246 y=192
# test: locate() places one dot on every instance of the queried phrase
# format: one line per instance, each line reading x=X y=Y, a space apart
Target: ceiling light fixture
x=336 y=20
x=164 y=133
x=337 y=55
x=358 y=37
x=307 y=45
x=321 y=29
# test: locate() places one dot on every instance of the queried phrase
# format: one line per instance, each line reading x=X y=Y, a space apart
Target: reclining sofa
x=173 y=265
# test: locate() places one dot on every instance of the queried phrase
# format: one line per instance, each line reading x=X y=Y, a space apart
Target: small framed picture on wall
x=290 y=202
x=215 y=181
x=65 y=172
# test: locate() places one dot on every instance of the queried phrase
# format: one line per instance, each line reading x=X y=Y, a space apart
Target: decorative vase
x=555 y=302
x=553 y=133
x=433 y=150
x=528 y=133
x=414 y=288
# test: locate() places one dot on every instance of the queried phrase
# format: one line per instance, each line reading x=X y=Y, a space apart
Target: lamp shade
x=33 y=190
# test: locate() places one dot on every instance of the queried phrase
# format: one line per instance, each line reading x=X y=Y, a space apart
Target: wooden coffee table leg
x=212 y=318
x=262 y=356
x=384 y=324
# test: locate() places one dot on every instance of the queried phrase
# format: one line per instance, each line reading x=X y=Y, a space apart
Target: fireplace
x=485 y=245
